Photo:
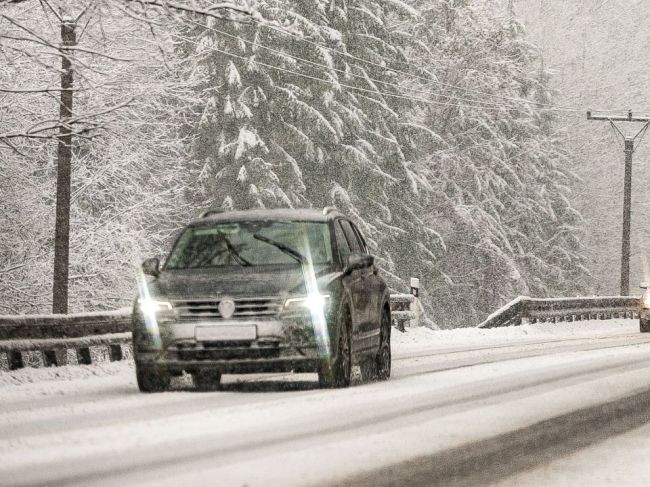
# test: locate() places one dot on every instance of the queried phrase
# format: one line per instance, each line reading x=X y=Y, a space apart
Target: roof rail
x=328 y=209
x=210 y=212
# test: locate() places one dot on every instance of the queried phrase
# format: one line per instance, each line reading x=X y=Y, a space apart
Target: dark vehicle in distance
x=262 y=291
x=644 y=309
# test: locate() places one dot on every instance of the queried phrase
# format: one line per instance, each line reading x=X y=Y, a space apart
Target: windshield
x=251 y=244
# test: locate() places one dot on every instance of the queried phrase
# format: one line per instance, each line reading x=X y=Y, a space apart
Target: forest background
x=439 y=126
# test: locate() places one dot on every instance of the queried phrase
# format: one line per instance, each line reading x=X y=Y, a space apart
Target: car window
x=253 y=243
x=341 y=243
x=362 y=241
x=351 y=237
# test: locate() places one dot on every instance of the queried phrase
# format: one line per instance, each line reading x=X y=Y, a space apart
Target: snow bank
x=65 y=373
x=424 y=338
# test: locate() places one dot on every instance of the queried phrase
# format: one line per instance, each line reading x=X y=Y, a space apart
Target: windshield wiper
x=284 y=248
x=231 y=250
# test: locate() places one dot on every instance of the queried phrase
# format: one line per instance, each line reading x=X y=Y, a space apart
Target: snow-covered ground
x=415 y=339
x=81 y=425
x=621 y=461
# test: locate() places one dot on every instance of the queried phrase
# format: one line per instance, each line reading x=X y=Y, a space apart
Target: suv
x=262 y=291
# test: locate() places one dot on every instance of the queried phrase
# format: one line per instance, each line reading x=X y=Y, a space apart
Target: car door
x=352 y=283
x=375 y=287
x=365 y=335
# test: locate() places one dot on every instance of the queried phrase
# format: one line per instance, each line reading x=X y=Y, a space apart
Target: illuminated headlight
x=315 y=303
x=153 y=307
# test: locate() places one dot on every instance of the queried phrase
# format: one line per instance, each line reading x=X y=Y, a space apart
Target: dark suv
x=262 y=291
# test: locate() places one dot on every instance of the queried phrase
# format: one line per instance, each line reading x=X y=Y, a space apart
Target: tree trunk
x=64 y=159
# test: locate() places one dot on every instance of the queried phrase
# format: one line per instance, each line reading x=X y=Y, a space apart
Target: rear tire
x=337 y=373
x=151 y=379
x=644 y=325
x=383 y=358
x=207 y=380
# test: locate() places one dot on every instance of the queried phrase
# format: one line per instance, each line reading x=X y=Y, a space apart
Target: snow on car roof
x=302 y=214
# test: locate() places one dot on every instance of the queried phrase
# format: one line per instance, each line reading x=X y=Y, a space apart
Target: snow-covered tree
x=503 y=207
x=316 y=117
x=131 y=184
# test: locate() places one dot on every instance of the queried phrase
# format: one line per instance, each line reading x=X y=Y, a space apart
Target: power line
x=543 y=106
x=356 y=88
x=365 y=78
x=422 y=78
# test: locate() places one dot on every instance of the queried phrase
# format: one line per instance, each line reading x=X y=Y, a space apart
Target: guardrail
x=52 y=340
x=84 y=338
x=537 y=310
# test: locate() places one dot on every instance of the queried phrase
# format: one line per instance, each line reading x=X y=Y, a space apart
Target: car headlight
x=645 y=301
x=153 y=307
x=315 y=303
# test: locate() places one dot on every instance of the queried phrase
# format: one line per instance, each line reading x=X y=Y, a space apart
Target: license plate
x=226 y=333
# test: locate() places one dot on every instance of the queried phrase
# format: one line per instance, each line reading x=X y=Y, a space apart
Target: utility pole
x=629 y=148
x=63 y=170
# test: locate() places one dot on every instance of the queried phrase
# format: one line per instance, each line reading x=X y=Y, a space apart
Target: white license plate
x=225 y=332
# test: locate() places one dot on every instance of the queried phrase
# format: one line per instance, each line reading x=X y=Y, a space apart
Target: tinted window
x=341 y=243
x=351 y=237
x=250 y=244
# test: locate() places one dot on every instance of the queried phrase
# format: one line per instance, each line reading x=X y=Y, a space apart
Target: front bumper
x=280 y=346
x=234 y=366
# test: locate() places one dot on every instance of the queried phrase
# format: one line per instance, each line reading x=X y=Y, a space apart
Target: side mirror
x=644 y=285
x=357 y=260
x=151 y=267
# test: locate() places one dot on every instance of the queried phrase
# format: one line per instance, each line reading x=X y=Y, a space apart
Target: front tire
x=336 y=374
x=383 y=359
x=207 y=380
x=151 y=379
x=644 y=325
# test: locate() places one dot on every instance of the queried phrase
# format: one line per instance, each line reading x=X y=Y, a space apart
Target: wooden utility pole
x=629 y=149
x=63 y=170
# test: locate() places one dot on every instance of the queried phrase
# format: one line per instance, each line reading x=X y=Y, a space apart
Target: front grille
x=223 y=351
x=244 y=307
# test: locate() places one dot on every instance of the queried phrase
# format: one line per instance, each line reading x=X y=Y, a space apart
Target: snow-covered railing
x=64 y=339
x=536 y=310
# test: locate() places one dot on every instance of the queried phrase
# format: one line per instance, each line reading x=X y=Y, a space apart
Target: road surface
x=501 y=410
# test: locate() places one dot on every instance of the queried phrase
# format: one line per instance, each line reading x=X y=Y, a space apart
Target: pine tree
x=460 y=189
x=503 y=209
x=333 y=136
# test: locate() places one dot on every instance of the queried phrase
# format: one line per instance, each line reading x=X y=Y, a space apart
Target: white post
x=414 y=307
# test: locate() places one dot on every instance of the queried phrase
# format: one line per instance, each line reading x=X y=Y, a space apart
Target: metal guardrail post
x=83 y=356
x=15 y=360
x=115 y=352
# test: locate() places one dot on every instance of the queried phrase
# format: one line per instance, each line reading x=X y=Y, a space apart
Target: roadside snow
x=64 y=373
x=420 y=339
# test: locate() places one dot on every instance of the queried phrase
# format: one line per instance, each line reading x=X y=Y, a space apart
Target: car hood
x=237 y=281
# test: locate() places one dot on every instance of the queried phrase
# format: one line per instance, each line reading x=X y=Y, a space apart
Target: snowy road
x=463 y=408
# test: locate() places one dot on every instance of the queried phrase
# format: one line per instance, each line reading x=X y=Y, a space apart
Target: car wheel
x=383 y=358
x=151 y=379
x=337 y=373
x=207 y=380
x=644 y=325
